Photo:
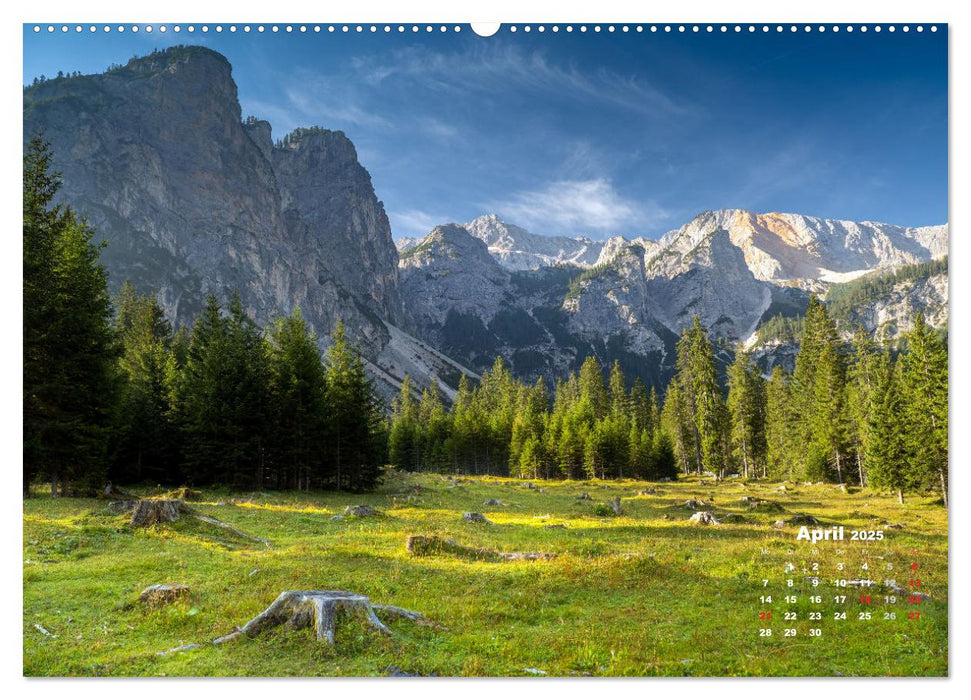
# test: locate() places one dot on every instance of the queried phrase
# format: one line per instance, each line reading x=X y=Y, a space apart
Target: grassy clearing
x=646 y=593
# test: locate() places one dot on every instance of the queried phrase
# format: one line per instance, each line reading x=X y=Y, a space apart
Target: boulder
x=476 y=518
x=360 y=511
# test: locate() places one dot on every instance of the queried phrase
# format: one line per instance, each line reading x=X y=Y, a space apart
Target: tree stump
x=704 y=517
x=615 y=504
x=148 y=512
x=163 y=594
x=321 y=610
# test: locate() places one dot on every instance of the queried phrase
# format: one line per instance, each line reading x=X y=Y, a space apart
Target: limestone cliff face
x=192 y=200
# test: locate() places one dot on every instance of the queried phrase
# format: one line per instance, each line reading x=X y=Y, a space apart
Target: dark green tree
x=357 y=432
x=69 y=377
x=924 y=387
x=296 y=446
x=145 y=446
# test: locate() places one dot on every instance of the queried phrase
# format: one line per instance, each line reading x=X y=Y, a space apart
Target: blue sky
x=596 y=134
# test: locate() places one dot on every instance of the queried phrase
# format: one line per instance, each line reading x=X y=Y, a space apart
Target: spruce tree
x=887 y=465
x=404 y=438
x=818 y=396
x=297 y=443
x=356 y=431
x=865 y=363
x=747 y=413
x=924 y=386
x=145 y=441
x=780 y=427
x=69 y=346
x=698 y=379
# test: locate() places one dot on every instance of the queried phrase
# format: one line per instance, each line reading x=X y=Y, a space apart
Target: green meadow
x=645 y=593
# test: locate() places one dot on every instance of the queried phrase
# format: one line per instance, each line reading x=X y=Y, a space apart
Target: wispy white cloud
x=501 y=67
x=414 y=222
x=576 y=207
x=323 y=103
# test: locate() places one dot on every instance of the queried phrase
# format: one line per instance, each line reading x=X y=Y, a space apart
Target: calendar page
x=539 y=350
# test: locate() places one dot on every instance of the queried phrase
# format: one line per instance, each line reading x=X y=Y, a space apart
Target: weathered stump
x=584 y=497
x=696 y=505
x=150 y=511
x=615 y=504
x=163 y=594
x=320 y=610
x=493 y=502
x=704 y=517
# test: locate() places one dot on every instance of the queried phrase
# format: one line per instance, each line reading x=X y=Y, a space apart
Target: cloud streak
x=502 y=67
x=412 y=223
x=577 y=207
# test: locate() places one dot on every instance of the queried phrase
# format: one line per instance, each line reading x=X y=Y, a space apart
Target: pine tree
x=297 y=444
x=886 y=462
x=678 y=423
x=591 y=388
x=747 y=413
x=818 y=396
x=924 y=386
x=698 y=380
x=404 y=439
x=145 y=440
x=70 y=383
x=357 y=437
x=865 y=363
x=780 y=427
x=434 y=425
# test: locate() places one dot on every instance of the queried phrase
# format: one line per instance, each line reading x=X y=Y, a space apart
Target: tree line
x=850 y=413
x=593 y=429
x=111 y=391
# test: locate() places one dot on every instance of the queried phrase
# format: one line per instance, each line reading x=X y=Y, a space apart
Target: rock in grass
x=798 y=519
x=584 y=497
x=803 y=519
x=360 y=511
x=163 y=594
x=493 y=502
x=732 y=518
x=704 y=517
x=766 y=507
x=427 y=546
x=647 y=492
x=476 y=518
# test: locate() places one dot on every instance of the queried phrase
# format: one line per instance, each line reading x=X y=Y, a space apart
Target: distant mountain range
x=490 y=287
x=193 y=199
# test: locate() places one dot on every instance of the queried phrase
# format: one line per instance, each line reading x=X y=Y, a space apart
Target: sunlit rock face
x=193 y=200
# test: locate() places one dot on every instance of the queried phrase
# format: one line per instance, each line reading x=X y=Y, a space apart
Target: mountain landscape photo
x=326 y=302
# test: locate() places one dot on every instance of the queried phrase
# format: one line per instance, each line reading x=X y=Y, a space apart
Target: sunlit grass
x=644 y=593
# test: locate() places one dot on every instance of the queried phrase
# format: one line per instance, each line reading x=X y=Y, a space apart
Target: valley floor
x=641 y=594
